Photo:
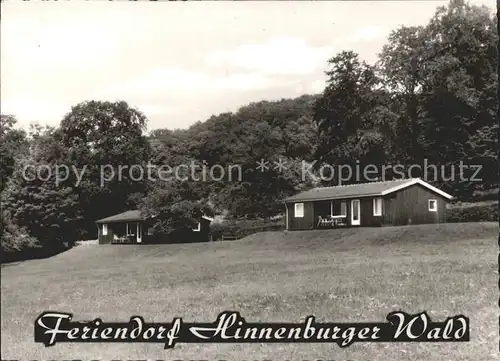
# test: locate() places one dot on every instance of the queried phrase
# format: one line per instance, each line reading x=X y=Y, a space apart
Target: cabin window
x=299 y=210
x=104 y=229
x=433 y=205
x=150 y=231
x=377 y=206
x=343 y=209
x=130 y=228
x=339 y=209
x=198 y=228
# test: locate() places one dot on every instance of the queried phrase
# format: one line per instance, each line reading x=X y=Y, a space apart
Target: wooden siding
x=410 y=206
x=118 y=228
x=403 y=207
x=303 y=223
x=104 y=239
x=367 y=217
x=322 y=208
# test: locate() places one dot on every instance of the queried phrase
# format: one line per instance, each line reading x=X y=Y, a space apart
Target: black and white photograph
x=249 y=180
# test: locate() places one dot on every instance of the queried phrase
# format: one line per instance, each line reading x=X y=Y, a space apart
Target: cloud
x=55 y=45
x=243 y=82
x=175 y=80
x=317 y=86
x=278 y=56
x=33 y=110
x=366 y=33
x=151 y=110
x=30 y=109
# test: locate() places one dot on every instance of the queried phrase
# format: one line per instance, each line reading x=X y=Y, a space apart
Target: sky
x=181 y=62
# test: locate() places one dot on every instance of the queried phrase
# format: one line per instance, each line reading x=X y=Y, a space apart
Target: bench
x=123 y=240
x=229 y=237
x=333 y=221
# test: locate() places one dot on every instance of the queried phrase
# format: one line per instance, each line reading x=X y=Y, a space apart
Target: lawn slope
x=338 y=275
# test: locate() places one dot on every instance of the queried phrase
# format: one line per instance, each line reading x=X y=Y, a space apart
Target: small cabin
x=397 y=202
x=132 y=227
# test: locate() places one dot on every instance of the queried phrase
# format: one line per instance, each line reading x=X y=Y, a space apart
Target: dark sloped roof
x=128 y=216
x=361 y=190
x=132 y=216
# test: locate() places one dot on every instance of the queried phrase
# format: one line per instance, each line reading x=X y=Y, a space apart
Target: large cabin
x=398 y=202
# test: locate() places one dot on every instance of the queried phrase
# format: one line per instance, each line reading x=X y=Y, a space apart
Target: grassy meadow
x=338 y=275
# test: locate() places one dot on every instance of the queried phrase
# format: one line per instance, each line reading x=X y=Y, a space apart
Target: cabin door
x=139 y=232
x=355 y=213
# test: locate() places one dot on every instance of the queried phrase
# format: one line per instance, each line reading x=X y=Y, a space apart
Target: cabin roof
x=132 y=216
x=361 y=190
x=128 y=216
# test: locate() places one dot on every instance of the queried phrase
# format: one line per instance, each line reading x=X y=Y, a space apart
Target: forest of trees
x=431 y=96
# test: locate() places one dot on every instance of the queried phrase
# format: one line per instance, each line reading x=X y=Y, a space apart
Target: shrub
x=243 y=228
x=487 y=195
x=16 y=244
x=482 y=213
